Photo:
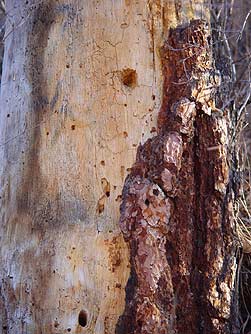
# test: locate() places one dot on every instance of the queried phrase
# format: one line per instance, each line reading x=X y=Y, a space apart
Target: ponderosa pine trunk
x=93 y=91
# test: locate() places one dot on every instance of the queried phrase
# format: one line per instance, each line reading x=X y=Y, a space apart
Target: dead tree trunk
x=83 y=84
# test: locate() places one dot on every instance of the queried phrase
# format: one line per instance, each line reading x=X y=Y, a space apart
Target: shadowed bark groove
x=176 y=212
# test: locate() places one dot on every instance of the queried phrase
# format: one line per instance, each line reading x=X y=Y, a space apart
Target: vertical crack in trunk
x=176 y=212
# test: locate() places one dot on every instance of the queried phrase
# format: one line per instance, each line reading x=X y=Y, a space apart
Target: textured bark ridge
x=176 y=212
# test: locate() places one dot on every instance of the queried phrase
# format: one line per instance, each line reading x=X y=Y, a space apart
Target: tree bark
x=82 y=87
x=177 y=210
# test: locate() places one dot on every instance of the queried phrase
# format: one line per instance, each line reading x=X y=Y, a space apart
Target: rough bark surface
x=176 y=212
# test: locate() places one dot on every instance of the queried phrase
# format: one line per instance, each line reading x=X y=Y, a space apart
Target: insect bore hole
x=147 y=202
x=129 y=77
x=82 y=318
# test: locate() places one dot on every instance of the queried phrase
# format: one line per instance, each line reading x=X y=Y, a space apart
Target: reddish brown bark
x=176 y=213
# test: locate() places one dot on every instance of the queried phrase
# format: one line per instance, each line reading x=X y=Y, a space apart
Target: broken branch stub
x=176 y=211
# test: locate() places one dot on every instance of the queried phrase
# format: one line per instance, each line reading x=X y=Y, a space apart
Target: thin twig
x=243 y=26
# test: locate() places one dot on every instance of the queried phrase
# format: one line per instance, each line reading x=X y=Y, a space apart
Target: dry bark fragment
x=176 y=212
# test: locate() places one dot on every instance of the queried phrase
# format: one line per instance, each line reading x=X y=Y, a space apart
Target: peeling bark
x=176 y=212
